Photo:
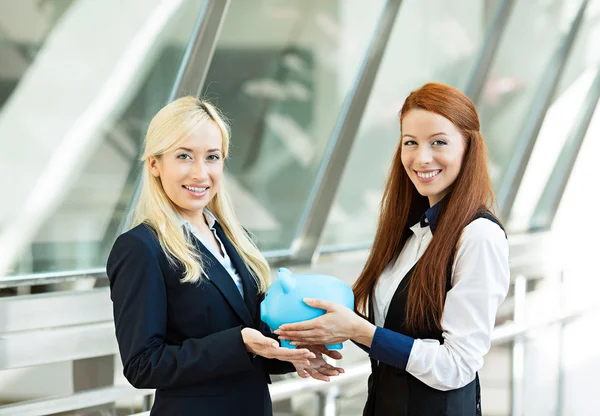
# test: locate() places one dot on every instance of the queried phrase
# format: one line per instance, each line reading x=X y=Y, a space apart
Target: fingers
x=321 y=304
x=336 y=355
x=330 y=372
x=298 y=334
x=303 y=373
x=299 y=326
x=338 y=370
x=317 y=375
x=327 y=340
x=300 y=355
x=270 y=343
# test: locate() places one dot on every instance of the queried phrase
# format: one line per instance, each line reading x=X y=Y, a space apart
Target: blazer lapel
x=222 y=280
x=248 y=283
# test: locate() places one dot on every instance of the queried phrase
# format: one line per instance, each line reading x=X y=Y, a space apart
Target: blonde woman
x=186 y=281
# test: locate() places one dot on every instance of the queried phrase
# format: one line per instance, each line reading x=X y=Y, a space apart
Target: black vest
x=395 y=392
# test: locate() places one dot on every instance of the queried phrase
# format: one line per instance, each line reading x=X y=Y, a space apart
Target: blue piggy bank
x=284 y=304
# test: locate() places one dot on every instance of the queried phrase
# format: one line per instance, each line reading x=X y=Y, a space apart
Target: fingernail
x=276 y=332
x=291 y=343
x=308 y=299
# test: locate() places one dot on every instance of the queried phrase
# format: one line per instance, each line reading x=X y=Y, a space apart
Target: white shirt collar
x=209 y=216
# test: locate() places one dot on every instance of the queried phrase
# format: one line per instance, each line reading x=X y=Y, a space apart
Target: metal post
x=328 y=401
x=95 y=372
x=560 y=379
x=147 y=402
x=322 y=195
x=190 y=78
x=518 y=348
x=513 y=175
x=547 y=205
x=487 y=52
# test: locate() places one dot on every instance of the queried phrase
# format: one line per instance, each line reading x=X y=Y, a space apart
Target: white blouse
x=480 y=282
x=224 y=258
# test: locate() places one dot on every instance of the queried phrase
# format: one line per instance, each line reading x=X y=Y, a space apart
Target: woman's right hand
x=259 y=344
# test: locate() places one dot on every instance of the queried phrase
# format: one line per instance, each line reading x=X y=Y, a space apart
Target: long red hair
x=471 y=192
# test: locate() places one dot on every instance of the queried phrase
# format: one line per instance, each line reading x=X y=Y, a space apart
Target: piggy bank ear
x=288 y=283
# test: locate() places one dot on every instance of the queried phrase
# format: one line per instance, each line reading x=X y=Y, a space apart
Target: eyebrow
x=192 y=151
x=433 y=135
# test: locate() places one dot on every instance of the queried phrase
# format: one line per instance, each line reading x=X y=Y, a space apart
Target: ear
x=153 y=165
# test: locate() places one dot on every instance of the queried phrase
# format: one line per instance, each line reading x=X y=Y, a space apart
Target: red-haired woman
x=437 y=271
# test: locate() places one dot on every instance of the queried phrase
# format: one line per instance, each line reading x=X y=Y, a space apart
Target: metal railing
x=511 y=332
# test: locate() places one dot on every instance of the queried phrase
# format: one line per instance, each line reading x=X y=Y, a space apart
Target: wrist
x=246 y=340
x=365 y=331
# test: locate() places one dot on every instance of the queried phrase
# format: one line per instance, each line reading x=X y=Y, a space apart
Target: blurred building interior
x=312 y=89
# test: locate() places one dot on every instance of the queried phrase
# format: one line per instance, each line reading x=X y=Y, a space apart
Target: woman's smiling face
x=432 y=152
x=191 y=174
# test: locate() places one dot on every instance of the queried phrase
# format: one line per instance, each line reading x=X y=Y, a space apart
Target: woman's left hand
x=319 y=369
x=337 y=325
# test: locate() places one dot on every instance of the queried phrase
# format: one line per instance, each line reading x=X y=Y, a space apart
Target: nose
x=423 y=156
x=200 y=171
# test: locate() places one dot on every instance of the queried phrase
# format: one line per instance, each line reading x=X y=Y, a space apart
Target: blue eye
x=439 y=143
x=410 y=143
x=184 y=156
x=214 y=157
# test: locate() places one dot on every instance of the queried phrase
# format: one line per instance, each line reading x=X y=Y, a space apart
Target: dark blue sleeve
x=140 y=308
x=392 y=348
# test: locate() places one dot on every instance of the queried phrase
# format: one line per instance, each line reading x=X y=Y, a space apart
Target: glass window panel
x=558 y=124
x=281 y=72
x=530 y=39
x=24 y=27
x=433 y=40
x=81 y=228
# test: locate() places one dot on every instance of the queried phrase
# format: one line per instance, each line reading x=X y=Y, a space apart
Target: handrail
x=275 y=258
x=47 y=278
x=280 y=390
x=81 y=400
x=286 y=389
x=501 y=335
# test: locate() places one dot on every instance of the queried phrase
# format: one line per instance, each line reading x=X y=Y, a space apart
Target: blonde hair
x=169 y=127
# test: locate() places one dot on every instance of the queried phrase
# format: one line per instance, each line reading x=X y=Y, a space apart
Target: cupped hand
x=259 y=344
x=318 y=368
x=337 y=325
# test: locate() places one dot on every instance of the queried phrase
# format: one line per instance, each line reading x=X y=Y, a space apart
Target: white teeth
x=427 y=175
x=193 y=189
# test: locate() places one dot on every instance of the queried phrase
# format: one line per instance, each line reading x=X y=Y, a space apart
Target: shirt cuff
x=392 y=348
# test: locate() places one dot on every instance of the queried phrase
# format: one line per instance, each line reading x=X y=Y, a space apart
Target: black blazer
x=184 y=340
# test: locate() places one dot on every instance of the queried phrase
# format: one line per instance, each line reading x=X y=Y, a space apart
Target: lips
x=429 y=174
x=196 y=191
